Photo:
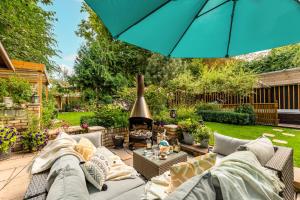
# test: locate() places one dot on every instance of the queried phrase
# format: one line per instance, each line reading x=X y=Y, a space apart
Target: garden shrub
x=49 y=112
x=183 y=113
x=225 y=117
x=90 y=120
x=33 y=138
x=109 y=116
x=248 y=109
x=163 y=118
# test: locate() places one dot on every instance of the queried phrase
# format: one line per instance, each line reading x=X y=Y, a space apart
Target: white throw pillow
x=262 y=148
x=226 y=145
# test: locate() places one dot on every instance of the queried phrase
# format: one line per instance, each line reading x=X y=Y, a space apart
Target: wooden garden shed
x=35 y=73
x=282 y=87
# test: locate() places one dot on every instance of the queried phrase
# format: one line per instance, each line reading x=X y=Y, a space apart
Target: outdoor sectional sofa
x=281 y=163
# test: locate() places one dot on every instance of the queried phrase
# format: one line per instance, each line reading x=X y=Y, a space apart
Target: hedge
x=225 y=117
x=90 y=120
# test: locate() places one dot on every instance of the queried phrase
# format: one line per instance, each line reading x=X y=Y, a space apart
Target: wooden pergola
x=34 y=73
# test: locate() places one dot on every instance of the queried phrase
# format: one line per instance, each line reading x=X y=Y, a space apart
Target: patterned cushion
x=86 y=148
x=202 y=163
x=181 y=172
x=96 y=170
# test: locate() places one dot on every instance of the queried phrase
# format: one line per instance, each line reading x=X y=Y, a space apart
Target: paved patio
x=14 y=176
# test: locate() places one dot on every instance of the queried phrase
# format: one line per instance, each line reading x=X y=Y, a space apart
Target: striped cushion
x=181 y=172
x=96 y=170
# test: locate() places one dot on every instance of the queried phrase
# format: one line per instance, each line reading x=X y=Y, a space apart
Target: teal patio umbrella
x=201 y=28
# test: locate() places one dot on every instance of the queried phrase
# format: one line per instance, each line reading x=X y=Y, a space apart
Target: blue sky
x=69 y=16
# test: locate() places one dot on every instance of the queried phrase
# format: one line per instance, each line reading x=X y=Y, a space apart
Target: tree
x=26 y=31
x=159 y=69
x=105 y=65
x=228 y=76
x=278 y=59
x=92 y=70
x=231 y=78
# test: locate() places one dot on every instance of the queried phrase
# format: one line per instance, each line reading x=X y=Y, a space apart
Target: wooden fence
x=183 y=98
x=266 y=113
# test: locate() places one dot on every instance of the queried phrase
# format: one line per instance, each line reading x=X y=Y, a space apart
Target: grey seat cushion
x=61 y=163
x=94 y=137
x=134 y=194
x=114 y=188
x=69 y=185
x=226 y=145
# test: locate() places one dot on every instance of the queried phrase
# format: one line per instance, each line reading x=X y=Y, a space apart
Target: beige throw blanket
x=119 y=170
x=62 y=145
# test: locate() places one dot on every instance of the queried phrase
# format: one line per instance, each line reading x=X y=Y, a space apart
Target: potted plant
x=187 y=128
x=8 y=137
x=202 y=136
x=85 y=127
x=33 y=139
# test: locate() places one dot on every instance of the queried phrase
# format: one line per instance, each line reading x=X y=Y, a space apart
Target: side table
x=149 y=167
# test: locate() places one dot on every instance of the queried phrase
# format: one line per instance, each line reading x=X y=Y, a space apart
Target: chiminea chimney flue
x=140 y=110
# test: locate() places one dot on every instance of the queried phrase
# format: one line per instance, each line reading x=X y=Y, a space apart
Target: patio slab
x=280 y=141
x=268 y=135
x=14 y=176
x=278 y=130
x=288 y=134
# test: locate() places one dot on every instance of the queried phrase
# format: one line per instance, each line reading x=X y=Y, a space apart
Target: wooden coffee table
x=150 y=167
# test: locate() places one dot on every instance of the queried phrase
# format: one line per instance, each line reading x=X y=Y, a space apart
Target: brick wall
x=18 y=118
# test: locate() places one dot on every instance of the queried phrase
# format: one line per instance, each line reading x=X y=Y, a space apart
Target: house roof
x=27 y=70
x=282 y=77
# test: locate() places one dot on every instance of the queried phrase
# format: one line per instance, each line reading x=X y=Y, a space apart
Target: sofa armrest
x=282 y=163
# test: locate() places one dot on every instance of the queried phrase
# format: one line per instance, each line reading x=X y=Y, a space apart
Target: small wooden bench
x=193 y=149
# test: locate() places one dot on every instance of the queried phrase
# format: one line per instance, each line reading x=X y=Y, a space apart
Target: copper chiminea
x=140 y=113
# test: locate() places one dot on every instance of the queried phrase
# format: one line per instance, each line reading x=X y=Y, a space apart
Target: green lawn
x=73 y=118
x=253 y=132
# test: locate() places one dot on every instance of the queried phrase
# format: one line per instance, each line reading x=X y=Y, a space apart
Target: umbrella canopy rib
x=118 y=35
x=213 y=8
x=230 y=31
x=201 y=8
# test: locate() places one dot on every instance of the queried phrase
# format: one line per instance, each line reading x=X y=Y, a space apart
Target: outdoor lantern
x=173 y=113
x=35 y=98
